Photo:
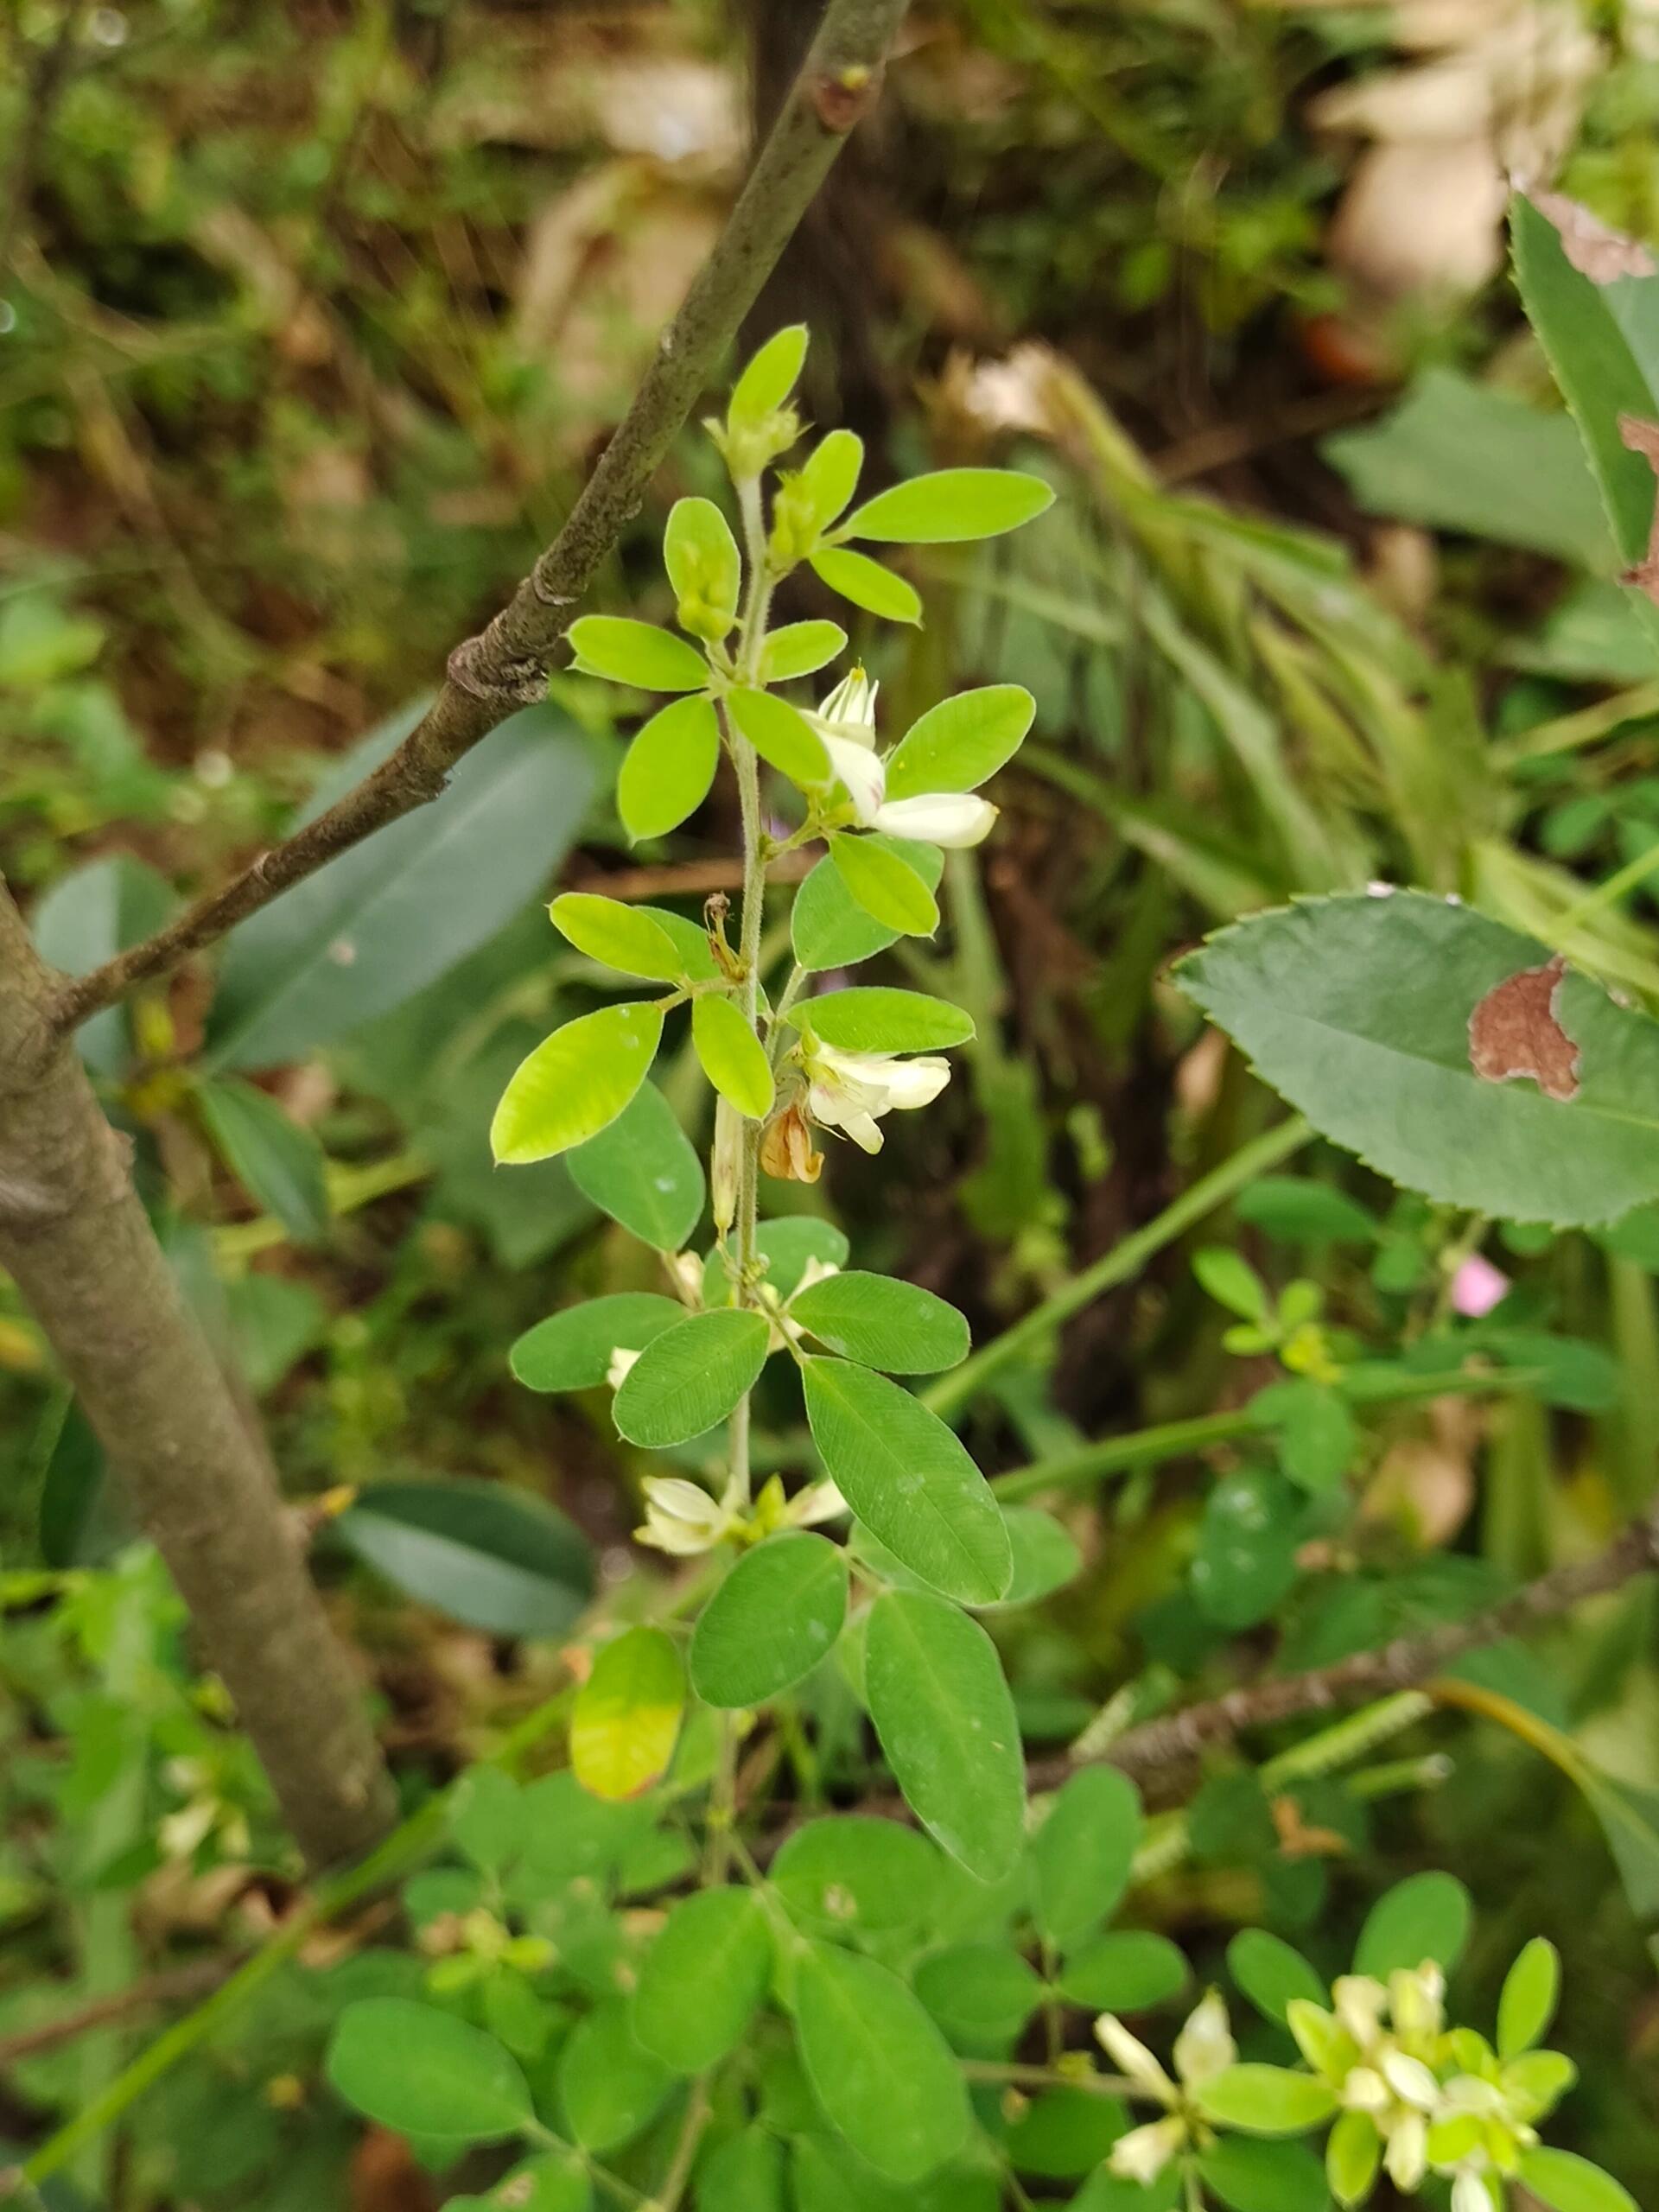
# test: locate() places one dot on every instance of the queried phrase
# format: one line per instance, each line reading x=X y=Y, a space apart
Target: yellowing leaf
x=627 y=1716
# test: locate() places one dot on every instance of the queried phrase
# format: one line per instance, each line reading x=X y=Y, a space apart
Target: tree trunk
x=77 y=1241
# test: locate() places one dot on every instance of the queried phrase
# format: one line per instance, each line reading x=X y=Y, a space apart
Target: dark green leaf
x=877 y=2065
x=278 y=1164
x=643 y=1172
x=776 y=1615
x=691 y=1377
x=495 y=1558
x=881 y=1322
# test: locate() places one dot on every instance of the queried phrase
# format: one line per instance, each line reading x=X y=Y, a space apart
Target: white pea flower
x=815 y=1270
x=1204 y=2049
x=846 y=723
x=622 y=1364
x=817 y=1503
x=681 y=1517
x=1405 y=2159
x=1470 y=2193
x=851 y=1091
x=956 y=819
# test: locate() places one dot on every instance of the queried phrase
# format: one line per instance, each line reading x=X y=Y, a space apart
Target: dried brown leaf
x=1515 y=1031
x=1594 y=248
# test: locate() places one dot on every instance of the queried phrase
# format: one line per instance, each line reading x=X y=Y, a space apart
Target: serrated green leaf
x=1082 y=1855
x=279 y=1163
x=1266 y=2099
x=1357 y=1009
x=946 y=1722
x=884 y=884
x=1426 y=1917
x=643 y=1172
x=950 y=505
x=636 y=653
x=877 y=2065
x=573 y=1350
x=799 y=649
x=829 y=929
x=961 y=742
x=627 y=1715
x=421 y=2071
x=909 y=1479
x=732 y=1056
x=867 y=584
x=575 y=1082
x=703 y=1978
x=776 y=1615
x=880 y=1322
x=669 y=767
x=620 y=935
x=781 y=735
x=873 y=1017
x=691 y=1377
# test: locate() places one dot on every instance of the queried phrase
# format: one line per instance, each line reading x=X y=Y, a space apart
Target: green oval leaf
x=1082 y=1855
x=637 y=653
x=799 y=649
x=961 y=742
x=620 y=935
x=420 y=2071
x=950 y=505
x=575 y=1082
x=769 y=377
x=704 y=1978
x=627 y=1715
x=880 y=1322
x=1569 y=2183
x=946 y=1722
x=668 y=769
x=495 y=1558
x=880 y=2068
x=643 y=1172
x=1266 y=2099
x=1273 y=1975
x=573 y=1350
x=867 y=584
x=1255 y=2176
x=981 y=1994
x=909 y=1479
x=393 y=914
x=278 y=1164
x=1045 y=1555
x=781 y=735
x=1526 y=2004
x=691 y=1377
x=876 y=1019
x=610 y=2086
x=776 y=1615
x=1360 y=1010
x=829 y=929
x=733 y=1057
x=885 y=885
x=857 y=1873
x=1428 y=1916
x=1128 y=1970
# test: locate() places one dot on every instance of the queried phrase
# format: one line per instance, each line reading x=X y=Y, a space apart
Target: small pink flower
x=1477 y=1286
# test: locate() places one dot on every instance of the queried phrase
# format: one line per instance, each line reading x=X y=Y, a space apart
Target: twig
x=503 y=668
x=178 y=1983
x=1410 y=1660
x=686 y=878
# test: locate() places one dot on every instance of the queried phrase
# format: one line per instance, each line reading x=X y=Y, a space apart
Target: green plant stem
x=1606 y=894
x=1125 y=1261
x=1018 y=2076
x=698 y=2111
x=1175 y=1439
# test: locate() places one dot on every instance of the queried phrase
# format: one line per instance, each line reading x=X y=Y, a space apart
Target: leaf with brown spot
x=1516 y=1031
x=1594 y=248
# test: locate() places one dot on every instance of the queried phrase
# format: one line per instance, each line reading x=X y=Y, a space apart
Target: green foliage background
x=314 y=318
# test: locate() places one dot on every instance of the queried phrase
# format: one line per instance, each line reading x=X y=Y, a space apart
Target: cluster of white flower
x=1417 y=2099
x=1203 y=2050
